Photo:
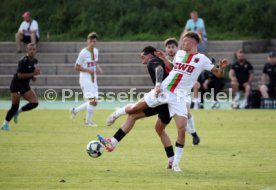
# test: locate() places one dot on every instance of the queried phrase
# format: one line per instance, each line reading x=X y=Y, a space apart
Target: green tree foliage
x=140 y=19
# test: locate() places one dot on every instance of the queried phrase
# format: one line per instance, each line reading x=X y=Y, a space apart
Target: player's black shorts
x=241 y=87
x=19 y=87
x=271 y=89
x=27 y=39
x=162 y=111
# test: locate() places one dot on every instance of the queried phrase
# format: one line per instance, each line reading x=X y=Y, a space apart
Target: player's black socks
x=196 y=139
x=12 y=112
x=29 y=106
x=169 y=151
x=119 y=135
x=179 y=145
x=194 y=134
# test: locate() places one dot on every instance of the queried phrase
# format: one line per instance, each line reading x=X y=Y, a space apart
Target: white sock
x=89 y=112
x=120 y=112
x=196 y=100
x=177 y=155
x=191 y=125
x=114 y=142
x=6 y=122
x=81 y=107
x=237 y=96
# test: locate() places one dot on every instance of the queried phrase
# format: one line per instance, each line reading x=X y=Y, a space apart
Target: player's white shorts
x=176 y=105
x=89 y=89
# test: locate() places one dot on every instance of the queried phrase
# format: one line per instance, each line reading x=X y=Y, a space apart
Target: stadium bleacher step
x=120 y=62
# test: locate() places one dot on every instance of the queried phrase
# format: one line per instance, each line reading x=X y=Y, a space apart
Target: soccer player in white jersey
x=171 y=47
x=87 y=65
x=187 y=66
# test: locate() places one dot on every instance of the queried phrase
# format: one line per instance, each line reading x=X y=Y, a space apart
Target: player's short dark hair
x=170 y=41
x=149 y=50
x=272 y=54
x=192 y=35
x=92 y=35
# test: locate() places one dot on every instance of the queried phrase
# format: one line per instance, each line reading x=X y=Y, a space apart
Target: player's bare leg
x=196 y=99
x=18 y=38
x=33 y=37
x=181 y=123
x=128 y=109
x=264 y=91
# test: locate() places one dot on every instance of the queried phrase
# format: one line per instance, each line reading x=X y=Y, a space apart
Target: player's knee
x=247 y=87
x=132 y=108
x=197 y=85
x=263 y=88
x=181 y=131
x=159 y=129
x=93 y=103
x=234 y=84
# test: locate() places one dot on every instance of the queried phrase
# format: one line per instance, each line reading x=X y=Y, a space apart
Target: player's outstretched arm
x=162 y=55
x=219 y=71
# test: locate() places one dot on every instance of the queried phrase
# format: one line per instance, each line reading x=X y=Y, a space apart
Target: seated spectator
x=212 y=82
x=268 y=88
x=205 y=83
x=197 y=101
x=196 y=24
x=27 y=32
x=241 y=75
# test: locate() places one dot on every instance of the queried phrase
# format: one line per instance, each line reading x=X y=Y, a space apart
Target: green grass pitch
x=47 y=151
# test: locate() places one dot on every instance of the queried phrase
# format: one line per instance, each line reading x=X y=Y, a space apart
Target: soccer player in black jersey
x=268 y=87
x=156 y=69
x=27 y=70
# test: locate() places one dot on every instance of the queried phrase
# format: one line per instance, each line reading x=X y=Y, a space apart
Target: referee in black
x=27 y=70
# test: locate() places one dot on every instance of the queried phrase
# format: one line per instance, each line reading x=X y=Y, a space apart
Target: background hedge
x=69 y=20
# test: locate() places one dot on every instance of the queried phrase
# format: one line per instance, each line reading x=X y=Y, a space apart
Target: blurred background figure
x=214 y=85
x=196 y=24
x=241 y=75
x=171 y=48
x=207 y=82
x=268 y=78
x=28 y=31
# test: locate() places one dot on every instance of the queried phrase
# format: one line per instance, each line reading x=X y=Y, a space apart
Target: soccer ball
x=94 y=149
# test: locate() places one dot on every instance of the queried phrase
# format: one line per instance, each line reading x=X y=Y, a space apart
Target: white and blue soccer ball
x=94 y=149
